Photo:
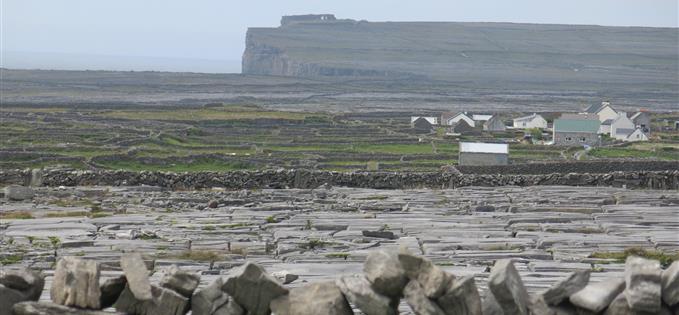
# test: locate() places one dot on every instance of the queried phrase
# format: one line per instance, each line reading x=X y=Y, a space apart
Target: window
x=569 y=139
x=583 y=139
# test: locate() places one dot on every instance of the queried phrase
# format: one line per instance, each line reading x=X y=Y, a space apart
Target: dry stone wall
x=291 y=178
x=388 y=277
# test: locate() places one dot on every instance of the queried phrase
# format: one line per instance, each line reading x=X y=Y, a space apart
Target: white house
x=431 y=120
x=450 y=119
x=605 y=127
x=481 y=117
x=636 y=135
x=620 y=123
x=531 y=121
x=604 y=110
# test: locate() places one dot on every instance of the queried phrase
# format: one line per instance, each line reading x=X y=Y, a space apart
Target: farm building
x=531 y=121
x=573 y=131
x=494 y=124
x=450 y=119
x=604 y=111
x=479 y=153
x=422 y=125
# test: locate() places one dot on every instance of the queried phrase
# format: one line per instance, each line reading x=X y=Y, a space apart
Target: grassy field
x=225 y=138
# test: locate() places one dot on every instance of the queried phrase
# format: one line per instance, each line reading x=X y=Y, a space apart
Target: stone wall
x=291 y=178
x=600 y=166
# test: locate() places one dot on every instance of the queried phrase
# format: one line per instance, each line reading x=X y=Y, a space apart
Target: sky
x=209 y=35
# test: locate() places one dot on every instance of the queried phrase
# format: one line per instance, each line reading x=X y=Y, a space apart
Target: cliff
x=480 y=53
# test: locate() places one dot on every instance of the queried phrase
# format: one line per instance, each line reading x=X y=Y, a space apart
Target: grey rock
x=380 y=234
x=19 y=193
x=29 y=282
x=643 y=277
x=670 y=284
x=540 y=307
x=595 y=297
x=564 y=288
x=76 y=283
x=360 y=293
x=181 y=281
x=111 y=289
x=230 y=308
x=211 y=300
x=484 y=208
x=47 y=308
x=9 y=297
x=385 y=273
x=137 y=275
x=418 y=301
x=253 y=289
x=490 y=306
x=432 y=279
x=285 y=277
x=312 y=299
x=619 y=306
x=163 y=302
x=461 y=297
x=213 y=204
x=507 y=288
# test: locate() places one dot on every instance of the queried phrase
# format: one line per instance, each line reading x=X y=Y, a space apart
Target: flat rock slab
x=183 y=282
x=595 y=297
x=564 y=288
x=137 y=275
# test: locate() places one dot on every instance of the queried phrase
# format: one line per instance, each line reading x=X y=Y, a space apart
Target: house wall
x=494 y=124
x=537 y=122
x=621 y=123
x=576 y=138
x=637 y=135
x=605 y=129
x=454 y=120
x=471 y=158
x=643 y=122
x=607 y=113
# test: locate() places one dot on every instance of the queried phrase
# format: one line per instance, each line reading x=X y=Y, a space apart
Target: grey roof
x=594 y=108
x=607 y=122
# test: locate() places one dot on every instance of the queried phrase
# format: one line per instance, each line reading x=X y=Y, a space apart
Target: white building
x=450 y=119
x=481 y=117
x=431 y=120
x=636 y=135
x=621 y=122
x=604 y=110
x=479 y=153
x=531 y=121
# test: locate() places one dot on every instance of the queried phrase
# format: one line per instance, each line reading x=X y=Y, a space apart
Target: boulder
x=360 y=293
x=180 y=281
x=285 y=277
x=418 y=300
x=76 y=283
x=207 y=300
x=431 y=278
x=670 y=284
x=461 y=297
x=619 y=306
x=643 y=290
x=489 y=306
x=19 y=193
x=9 y=297
x=111 y=289
x=253 y=289
x=595 y=297
x=312 y=299
x=385 y=273
x=507 y=288
x=137 y=275
x=47 y=308
x=540 y=307
x=28 y=282
x=213 y=204
x=163 y=302
x=564 y=288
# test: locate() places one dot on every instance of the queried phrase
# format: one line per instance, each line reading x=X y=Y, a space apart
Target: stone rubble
x=251 y=290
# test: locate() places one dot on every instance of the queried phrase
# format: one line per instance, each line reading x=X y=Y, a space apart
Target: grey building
x=478 y=153
x=642 y=120
x=422 y=125
x=576 y=132
x=494 y=124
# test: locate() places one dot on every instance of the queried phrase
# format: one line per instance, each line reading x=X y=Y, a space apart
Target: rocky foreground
x=499 y=241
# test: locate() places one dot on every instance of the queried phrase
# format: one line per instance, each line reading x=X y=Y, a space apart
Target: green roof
x=576 y=125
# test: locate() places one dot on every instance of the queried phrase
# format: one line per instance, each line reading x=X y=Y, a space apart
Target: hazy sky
x=40 y=33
